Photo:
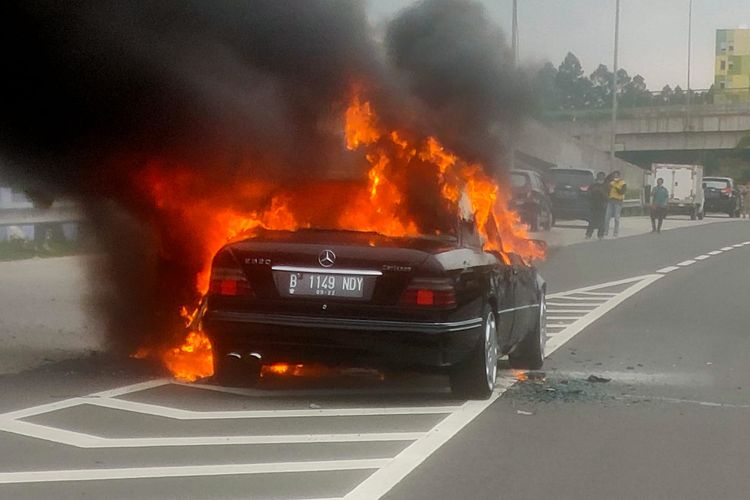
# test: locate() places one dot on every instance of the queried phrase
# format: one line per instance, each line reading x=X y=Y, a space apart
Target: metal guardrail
x=31 y=216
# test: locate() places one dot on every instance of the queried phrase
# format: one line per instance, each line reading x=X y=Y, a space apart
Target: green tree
x=545 y=87
x=601 y=87
x=574 y=88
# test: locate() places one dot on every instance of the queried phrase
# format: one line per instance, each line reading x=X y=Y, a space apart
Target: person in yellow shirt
x=617 y=189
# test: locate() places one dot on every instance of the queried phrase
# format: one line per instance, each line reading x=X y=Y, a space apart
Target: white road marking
x=598 y=294
x=726 y=249
x=669 y=269
x=715 y=252
x=686 y=263
x=555 y=310
x=738 y=245
x=180 y=414
x=702 y=257
x=190 y=470
x=384 y=479
x=638 y=284
x=571 y=304
x=591 y=300
x=81 y=440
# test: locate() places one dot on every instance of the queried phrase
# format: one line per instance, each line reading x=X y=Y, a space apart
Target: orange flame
x=377 y=206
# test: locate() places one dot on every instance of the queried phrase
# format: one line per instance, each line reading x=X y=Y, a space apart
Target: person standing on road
x=659 y=199
x=616 y=196
x=598 y=195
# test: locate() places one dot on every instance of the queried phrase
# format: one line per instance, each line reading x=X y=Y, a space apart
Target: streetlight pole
x=514 y=48
x=689 y=47
x=613 y=137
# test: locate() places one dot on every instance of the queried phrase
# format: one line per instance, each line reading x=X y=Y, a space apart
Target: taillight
x=584 y=188
x=229 y=281
x=430 y=292
x=727 y=190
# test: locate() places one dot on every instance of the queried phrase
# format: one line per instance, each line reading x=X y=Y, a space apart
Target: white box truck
x=685 y=186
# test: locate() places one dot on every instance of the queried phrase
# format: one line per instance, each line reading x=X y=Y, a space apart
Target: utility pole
x=514 y=48
x=613 y=137
x=690 y=36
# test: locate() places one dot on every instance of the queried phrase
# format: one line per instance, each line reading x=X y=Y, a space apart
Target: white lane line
x=726 y=249
x=562 y=318
x=639 y=283
x=715 y=252
x=669 y=269
x=558 y=325
x=190 y=470
x=384 y=479
x=571 y=311
x=81 y=440
x=686 y=263
x=598 y=294
x=592 y=300
x=738 y=245
x=570 y=304
x=67 y=403
x=702 y=257
x=181 y=414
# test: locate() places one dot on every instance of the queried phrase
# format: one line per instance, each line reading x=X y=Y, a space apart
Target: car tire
x=475 y=377
x=548 y=220
x=701 y=214
x=529 y=353
x=694 y=214
x=534 y=220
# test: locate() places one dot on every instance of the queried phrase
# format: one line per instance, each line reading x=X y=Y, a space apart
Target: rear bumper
x=720 y=205
x=681 y=208
x=343 y=341
x=571 y=212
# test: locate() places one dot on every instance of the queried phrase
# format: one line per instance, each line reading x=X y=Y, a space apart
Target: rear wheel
x=548 y=220
x=534 y=220
x=529 y=354
x=475 y=377
x=694 y=213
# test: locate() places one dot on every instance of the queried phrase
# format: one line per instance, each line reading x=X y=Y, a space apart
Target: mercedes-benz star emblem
x=327 y=258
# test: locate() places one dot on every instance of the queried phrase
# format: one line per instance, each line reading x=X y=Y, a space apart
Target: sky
x=653 y=33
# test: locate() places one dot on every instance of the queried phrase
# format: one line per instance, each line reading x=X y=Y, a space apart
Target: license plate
x=297 y=284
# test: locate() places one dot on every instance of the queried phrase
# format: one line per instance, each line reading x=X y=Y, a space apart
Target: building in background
x=732 y=73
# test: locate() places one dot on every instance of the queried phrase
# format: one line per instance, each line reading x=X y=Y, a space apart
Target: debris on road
x=597 y=379
x=523 y=412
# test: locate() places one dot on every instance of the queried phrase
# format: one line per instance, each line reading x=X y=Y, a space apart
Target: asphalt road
x=663 y=317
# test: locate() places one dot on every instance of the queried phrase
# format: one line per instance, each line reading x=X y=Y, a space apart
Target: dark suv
x=530 y=199
x=568 y=188
x=721 y=195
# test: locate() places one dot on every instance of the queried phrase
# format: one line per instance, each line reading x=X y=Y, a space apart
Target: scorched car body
x=363 y=299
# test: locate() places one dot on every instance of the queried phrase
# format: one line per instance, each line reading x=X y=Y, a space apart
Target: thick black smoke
x=93 y=89
x=458 y=65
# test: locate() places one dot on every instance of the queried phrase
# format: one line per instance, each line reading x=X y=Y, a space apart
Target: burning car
x=437 y=302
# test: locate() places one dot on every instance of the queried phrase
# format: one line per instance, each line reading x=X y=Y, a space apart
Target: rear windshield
x=518 y=180
x=718 y=184
x=575 y=178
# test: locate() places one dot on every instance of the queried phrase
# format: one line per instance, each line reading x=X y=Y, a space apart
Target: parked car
x=436 y=303
x=531 y=199
x=568 y=190
x=722 y=195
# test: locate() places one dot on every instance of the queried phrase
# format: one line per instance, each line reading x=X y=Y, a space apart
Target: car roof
x=563 y=169
x=718 y=178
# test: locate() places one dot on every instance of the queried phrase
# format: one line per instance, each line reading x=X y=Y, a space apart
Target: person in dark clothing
x=598 y=197
x=659 y=203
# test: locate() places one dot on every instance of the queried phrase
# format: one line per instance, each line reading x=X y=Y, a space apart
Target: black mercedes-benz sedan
x=336 y=297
